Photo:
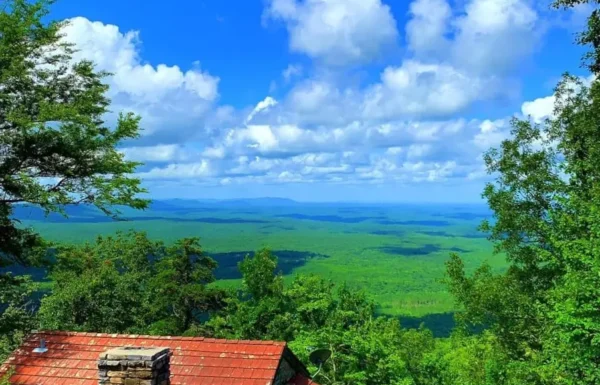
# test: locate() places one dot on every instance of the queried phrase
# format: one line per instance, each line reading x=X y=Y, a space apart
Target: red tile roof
x=72 y=358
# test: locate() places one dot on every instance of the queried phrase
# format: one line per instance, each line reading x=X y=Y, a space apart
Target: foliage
x=401 y=284
x=17 y=311
x=368 y=352
x=179 y=287
x=55 y=148
x=128 y=283
x=5 y=377
x=590 y=36
x=313 y=314
x=100 y=299
x=544 y=309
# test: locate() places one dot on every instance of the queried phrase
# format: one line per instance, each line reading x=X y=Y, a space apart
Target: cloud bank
x=409 y=125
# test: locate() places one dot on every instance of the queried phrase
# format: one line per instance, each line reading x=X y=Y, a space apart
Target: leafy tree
x=363 y=354
x=259 y=310
x=259 y=278
x=129 y=283
x=18 y=310
x=180 y=288
x=101 y=299
x=545 y=309
x=546 y=198
x=590 y=36
x=101 y=286
x=312 y=313
x=55 y=148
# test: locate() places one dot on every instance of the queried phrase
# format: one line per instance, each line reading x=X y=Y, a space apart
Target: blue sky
x=324 y=100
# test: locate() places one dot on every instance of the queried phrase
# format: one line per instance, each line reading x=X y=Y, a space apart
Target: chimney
x=134 y=366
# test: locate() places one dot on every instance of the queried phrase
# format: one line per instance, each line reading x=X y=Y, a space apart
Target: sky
x=323 y=100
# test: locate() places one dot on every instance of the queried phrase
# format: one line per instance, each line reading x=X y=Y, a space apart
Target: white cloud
x=458 y=57
x=542 y=108
x=313 y=95
x=412 y=90
x=425 y=90
x=159 y=153
x=180 y=171
x=427 y=29
x=292 y=71
x=361 y=151
x=494 y=35
x=327 y=128
x=338 y=32
x=165 y=96
x=486 y=37
x=491 y=134
x=263 y=105
x=539 y=109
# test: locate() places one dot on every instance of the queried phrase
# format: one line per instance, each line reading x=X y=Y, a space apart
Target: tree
x=366 y=353
x=310 y=313
x=590 y=36
x=546 y=200
x=129 y=283
x=460 y=359
x=55 y=147
x=101 y=287
x=259 y=310
x=180 y=291
x=101 y=299
x=259 y=278
x=17 y=312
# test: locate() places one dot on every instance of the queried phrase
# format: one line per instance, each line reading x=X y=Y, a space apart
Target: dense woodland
x=536 y=323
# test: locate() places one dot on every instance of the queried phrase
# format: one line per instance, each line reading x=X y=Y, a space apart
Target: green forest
x=537 y=321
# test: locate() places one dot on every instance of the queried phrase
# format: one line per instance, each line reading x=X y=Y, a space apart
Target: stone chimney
x=134 y=366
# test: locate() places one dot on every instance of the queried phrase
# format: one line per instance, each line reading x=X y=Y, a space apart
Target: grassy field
x=395 y=252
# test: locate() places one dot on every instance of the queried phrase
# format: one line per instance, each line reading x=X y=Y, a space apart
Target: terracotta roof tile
x=71 y=359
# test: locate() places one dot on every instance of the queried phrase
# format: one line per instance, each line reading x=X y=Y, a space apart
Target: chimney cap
x=134 y=353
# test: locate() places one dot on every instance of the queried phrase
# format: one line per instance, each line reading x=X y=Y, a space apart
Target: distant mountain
x=279 y=202
x=199 y=203
x=35 y=213
x=89 y=213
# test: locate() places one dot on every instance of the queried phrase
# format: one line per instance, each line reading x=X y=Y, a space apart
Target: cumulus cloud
x=424 y=90
x=264 y=105
x=358 y=152
x=427 y=29
x=539 y=109
x=412 y=90
x=165 y=95
x=486 y=37
x=159 y=153
x=494 y=35
x=491 y=134
x=457 y=57
x=404 y=126
x=337 y=32
x=201 y=169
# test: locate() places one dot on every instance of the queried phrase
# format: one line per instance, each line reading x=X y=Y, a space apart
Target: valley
x=394 y=252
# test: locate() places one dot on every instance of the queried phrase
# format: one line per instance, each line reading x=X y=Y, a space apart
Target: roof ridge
x=147 y=336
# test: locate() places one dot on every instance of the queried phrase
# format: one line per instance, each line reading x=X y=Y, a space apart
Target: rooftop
x=72 y=359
